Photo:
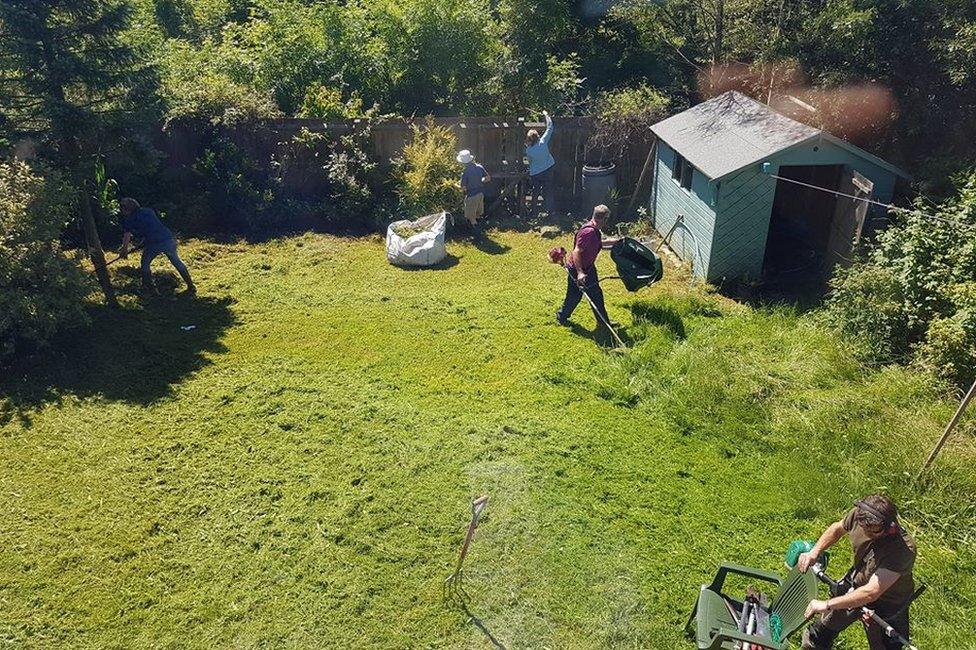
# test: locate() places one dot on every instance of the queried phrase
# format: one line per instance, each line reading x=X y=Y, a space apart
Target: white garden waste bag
x=417 y=243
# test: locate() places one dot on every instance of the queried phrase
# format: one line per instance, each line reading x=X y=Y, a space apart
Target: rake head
x=454 y=583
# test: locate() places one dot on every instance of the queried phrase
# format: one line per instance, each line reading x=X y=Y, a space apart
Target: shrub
x=197 y=85
x=624 y=117
x=348 y=168
x=949 y=349
x=868 y=303
x=427 y=175
x=328 y=180
x=913 y=299
x=325 y=103
x=235 y=187
x=42 y=289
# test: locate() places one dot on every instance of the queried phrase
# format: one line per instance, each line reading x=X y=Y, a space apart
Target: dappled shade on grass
x=135 y=354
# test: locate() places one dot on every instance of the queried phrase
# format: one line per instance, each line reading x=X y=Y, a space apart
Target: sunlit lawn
x=288 y=459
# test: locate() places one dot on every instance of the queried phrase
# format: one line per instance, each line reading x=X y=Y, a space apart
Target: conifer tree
x=67 y=78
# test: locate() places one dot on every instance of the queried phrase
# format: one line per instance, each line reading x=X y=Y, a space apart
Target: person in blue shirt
x=156 y=240
x=541 y=166
x=473 y=180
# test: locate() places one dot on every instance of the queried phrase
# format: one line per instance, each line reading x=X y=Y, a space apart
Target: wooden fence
x=498 y=143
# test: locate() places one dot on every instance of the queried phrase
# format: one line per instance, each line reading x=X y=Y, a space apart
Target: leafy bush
x=913 y=299
x=438 y=56
x=197 y=84
x=348 y=168
x=235 y=190
x=427 y=175
x=563 y=84
x=949 y=349
x=328 y=180
x=325 y=102
x=42 y=289
x=624 y=117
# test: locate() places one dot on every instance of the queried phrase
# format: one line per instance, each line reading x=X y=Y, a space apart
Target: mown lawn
x=296 y=470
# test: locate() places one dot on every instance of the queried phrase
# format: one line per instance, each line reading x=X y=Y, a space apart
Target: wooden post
x=640 y=181
x=952 y=425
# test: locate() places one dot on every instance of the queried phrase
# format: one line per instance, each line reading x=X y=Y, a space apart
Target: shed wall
x=671 y=200
x=746 y=199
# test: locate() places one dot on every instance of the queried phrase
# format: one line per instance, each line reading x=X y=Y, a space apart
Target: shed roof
x=732 y=131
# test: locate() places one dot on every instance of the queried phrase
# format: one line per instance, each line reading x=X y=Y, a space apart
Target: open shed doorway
x=798 y=255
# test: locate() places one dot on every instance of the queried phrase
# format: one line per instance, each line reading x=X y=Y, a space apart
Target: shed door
x=848 y=223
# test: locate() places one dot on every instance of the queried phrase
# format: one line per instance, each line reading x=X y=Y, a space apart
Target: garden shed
x=735 y=185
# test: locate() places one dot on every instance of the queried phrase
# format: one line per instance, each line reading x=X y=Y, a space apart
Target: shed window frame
x=682 y=172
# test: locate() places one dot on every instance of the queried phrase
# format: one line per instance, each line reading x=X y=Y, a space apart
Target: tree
x=66 y=80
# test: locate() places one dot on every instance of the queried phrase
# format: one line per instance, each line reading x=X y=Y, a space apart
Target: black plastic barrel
x=597 y=182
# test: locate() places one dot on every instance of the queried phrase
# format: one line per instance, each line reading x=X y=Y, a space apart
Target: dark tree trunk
x=719 y=31
x=92 y=241
x=94 y=245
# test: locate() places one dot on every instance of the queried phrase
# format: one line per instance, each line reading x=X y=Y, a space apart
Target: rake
x=454 y=584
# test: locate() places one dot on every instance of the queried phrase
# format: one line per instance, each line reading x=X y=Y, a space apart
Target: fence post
x=640 y=181
x=945 y=434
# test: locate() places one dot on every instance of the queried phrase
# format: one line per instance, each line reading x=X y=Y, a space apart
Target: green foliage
x=326 y=103
x=949 y=349
x=868 y=303
x=913 y=297
x=624 y=117
x=42 y=289
x=68 y=76
x=329 y=180
x=274 y=62
x=69 y=80
x=198 y=85
x=427 y=175
x=106 y=190
x=176 y=18
x=639 y=103
x=563 y=84
x=439 y=57
x=348 y=168
x=235 y=189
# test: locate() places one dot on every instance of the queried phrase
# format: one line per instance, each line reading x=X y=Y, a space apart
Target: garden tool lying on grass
x=840 y=588
x=453 y=585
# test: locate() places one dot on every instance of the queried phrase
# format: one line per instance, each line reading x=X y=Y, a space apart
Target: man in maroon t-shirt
x=581 y=264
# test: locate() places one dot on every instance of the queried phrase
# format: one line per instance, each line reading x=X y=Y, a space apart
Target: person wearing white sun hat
x=473 y=180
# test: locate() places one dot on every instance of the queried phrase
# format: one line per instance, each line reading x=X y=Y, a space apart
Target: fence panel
x=497 y=142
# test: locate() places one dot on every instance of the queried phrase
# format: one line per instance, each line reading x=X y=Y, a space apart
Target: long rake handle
x=600 y=316
x=120 y=257
x=477 y=506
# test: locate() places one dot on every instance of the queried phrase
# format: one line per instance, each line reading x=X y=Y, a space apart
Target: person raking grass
x=880 y=578
x=157 y=240
x=473 y=180
x=581 y=266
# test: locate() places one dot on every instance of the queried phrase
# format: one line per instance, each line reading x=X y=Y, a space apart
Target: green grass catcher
x=637 y=265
